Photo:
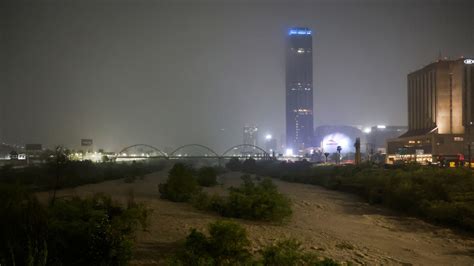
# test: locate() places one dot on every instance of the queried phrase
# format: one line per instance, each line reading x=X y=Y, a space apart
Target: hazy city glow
x=330 y=143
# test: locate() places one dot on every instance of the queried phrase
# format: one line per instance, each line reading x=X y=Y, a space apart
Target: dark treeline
x=92 y=231
x=74 y=173
x=439 y=195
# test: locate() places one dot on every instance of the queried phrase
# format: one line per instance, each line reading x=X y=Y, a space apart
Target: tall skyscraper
x=299 y=89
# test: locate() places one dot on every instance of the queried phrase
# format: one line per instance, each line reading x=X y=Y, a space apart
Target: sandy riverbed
x=334 y=224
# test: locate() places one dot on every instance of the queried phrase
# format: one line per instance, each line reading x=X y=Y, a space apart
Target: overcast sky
x=167 y=73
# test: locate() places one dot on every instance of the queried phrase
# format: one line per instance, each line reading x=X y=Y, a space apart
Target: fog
x=166 y=73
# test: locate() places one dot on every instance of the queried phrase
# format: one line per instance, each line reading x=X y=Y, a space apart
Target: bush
x=129 y=179
x=234 y=164
x=249 y=165
x=207 y=176
x=77 y=231
x=258 y=201
x=255 y=201
x=227 y=244
x=93 y=231
x=181 y=185
x=23 y=228
x=289 y=252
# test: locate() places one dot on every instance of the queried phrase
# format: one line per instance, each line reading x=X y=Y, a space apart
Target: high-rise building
x=250 y=137
x=440 y=114
x=299 y=89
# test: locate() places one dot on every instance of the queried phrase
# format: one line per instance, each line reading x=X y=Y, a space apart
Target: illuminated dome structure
x=329 y=137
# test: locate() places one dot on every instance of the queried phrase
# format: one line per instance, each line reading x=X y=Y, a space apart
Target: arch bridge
x=239 y=151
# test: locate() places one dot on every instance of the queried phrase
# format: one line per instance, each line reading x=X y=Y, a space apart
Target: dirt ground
x=334 y=224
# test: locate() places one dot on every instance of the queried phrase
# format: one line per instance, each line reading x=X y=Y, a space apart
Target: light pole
x=469 y=145
x=339 y=148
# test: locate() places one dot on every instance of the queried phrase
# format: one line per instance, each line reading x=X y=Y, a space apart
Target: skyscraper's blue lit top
x=299 y=31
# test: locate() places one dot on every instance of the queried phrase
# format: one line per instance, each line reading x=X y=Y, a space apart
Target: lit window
x=300 y=50
x=458 y=139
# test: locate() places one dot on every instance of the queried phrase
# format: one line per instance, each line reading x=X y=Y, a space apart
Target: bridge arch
x=145 y=145
x=245 y=145
x=173 y=153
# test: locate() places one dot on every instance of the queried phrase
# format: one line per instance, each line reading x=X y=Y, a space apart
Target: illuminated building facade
x=299 y=89
x=440 y=114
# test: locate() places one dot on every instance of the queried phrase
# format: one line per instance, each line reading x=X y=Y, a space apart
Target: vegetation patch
x=180 y=185
x=207 y=176
x=54 y=175
x=94 y=231
x=440 y=195
x=228 y=244
x=258 y=200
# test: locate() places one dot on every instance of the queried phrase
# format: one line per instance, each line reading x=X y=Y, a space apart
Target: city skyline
x=157 y=73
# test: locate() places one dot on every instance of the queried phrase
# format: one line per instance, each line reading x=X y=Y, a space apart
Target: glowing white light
x=331 y=141
x=381 y=126
x=469 y=61
x=367 y=130
x=268 y=137
x=289 y=152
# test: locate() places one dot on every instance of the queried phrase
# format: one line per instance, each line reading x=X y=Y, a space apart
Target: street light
x=339 y=148
x=469 y=145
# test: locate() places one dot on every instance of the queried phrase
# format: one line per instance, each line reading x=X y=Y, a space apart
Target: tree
x=207 y=176
x=59 y=161
x=181 y=184
x=234 y=164
x=249 y=165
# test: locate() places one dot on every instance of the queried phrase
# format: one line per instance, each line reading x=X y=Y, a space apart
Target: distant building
x=376 y=138
x=250 y=137
x=299 y=89
x=440 y=114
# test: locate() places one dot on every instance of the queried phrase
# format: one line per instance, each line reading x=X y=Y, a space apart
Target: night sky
x=174 y=72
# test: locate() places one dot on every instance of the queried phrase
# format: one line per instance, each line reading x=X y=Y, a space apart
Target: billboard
x=86 y=142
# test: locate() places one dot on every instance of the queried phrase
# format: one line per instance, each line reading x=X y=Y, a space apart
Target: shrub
x=181 y=185
x=227 y=244
x=207 y=176
x=76 y=231
x=129 y=179
x=234 y=164
x=23 y=228
x=289 y=252
x=93 y=231
x=256 y=201
x=249 y=165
